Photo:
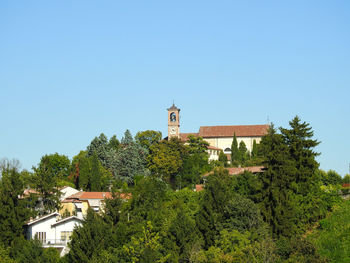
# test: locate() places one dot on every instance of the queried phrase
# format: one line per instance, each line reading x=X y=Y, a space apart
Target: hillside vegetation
x=332 y=239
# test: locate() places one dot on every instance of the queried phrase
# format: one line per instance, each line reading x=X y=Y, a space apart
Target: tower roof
x=173 y=107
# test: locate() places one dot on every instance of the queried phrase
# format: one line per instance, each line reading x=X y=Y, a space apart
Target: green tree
x=184 y=235
x=46 y=183
x=243 y=152
x=147 y=138
x=14 y=212
x=130 y=159
x=276 y=202
x=165 y=160
x=56 y=164
x=255 y=150
x=145 y=248
x=89 y=239
x=91 y=175
x=301 y=150
x=99 y=147
x=223 y=159
x=235 y=156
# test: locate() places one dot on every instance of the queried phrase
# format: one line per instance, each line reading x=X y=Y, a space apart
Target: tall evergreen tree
x=13 y=208
x=254 y=149
x=301 y=150
x=243 y=152
x=89 y=239
x=234 y=150
x=276 y=200
x=130 y=159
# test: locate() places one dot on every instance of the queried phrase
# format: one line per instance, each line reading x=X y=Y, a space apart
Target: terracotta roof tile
x=199 y=187
x=228 y=131
x=97 y=195
x=184 y=136
x=240 y=170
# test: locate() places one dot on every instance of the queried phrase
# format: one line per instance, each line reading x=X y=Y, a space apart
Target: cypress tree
x=254 y=149
x=243 y=152
x=234 y=150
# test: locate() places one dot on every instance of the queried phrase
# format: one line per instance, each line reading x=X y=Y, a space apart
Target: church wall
x=225 y=142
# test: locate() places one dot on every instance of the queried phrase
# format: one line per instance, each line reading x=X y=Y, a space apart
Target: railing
x=54 y=242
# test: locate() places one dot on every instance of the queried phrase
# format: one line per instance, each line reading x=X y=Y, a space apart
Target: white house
x=53 y=231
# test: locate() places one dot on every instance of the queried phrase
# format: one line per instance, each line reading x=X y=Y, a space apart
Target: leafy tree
x=14 y=212
x=330 y=178
x=184 y=235
x=165 y=160
x=223 y=159
x=56 y=164
x=46 y=183
x=235 y=156
x=147 y=138
x=145 y=248
x=197 y=145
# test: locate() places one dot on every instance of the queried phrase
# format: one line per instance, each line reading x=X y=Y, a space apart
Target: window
x=65 y=235
x=41 y=236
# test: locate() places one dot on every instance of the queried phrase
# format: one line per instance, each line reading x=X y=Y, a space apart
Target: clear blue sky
x=70 y=70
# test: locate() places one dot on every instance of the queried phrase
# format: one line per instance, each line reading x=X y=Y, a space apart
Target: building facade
x=218 y=137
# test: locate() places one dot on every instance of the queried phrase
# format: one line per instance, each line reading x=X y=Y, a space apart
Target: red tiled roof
x=199 y=187
x=228 y=131
x=240 y=170
x=184 y=136
x=214 y=148
x=96 y=195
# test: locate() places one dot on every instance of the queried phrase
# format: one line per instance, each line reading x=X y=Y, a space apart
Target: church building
x=219 y=137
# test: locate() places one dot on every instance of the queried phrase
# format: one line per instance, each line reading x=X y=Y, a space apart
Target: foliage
x=89 y=239
x=165 y=159
x=56 y=164
x=223 y=159
x=145 y=248
x=130 y=159
x=89 y=173
x=330 y=178
x=14 y=211
x=148 y=138
x=332 y=238
x=235 y=155
x=46 y=183
x=31 y=251
x=243 y=152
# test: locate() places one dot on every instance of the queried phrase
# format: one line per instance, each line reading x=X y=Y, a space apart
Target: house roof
x=229 y=131
x=36 y=220
x=184 y=136
x=214 y=148
x=67 y=219
x=240 y=170
x=199 y=187
x=97 y=195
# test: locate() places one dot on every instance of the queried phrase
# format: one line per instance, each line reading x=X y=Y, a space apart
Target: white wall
x=225 y=142
x=43 y=226
x=68 y=225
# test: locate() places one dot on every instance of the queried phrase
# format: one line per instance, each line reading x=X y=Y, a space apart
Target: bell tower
x=173 y=122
